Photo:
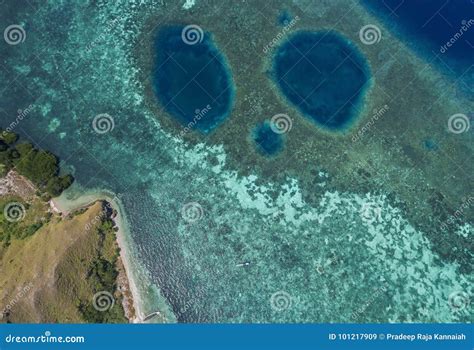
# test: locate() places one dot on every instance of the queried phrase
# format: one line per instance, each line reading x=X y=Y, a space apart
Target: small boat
x=245 y=263
x=150 y=316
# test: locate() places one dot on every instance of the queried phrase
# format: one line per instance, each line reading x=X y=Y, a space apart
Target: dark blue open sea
x=438 y=30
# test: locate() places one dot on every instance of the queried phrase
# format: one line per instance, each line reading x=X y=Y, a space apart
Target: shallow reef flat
x=353 y=225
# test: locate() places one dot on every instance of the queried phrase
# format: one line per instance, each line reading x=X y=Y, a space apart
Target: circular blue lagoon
x=191 y=78
x=324 y=75
x=267 y=141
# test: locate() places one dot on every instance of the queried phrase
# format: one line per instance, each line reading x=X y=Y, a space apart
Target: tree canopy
x=39 y=166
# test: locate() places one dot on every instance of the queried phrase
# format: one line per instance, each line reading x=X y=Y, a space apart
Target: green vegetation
x=42 y=169
x=33 y=216
x=8 y=137
x=81 y=250
x=39 y=166
x=68 y=263
x=102 y=276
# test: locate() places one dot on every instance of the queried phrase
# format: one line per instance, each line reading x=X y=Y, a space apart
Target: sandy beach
x=65 y=206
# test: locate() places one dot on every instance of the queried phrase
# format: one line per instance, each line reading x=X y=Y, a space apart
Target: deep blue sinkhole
x=267 y=141
x=323 y=75
x=191 y=78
